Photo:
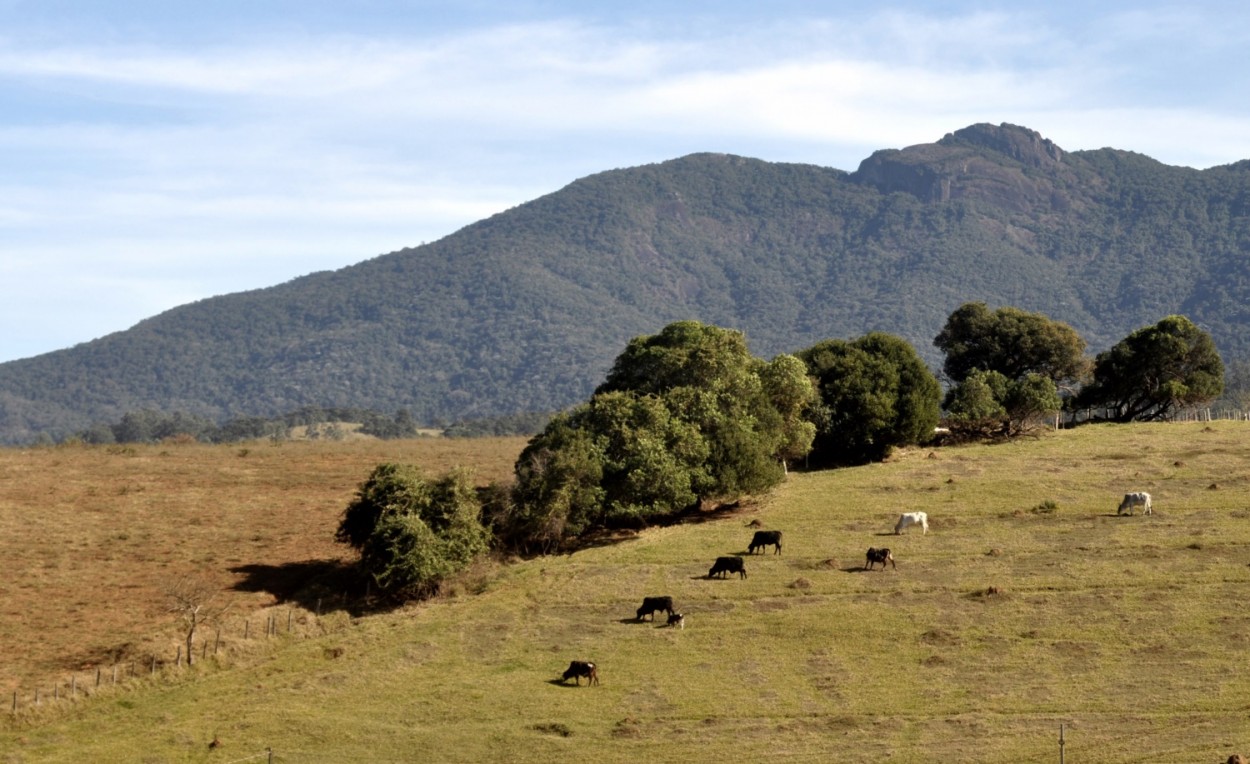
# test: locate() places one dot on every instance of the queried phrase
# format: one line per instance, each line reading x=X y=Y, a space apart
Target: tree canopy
x=1155 y=371
x=1010 y=341
x=684 y=416
x=411 y=532
x=1007 y=367
x=875 y=393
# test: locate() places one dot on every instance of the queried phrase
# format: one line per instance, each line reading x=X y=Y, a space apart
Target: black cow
x=653 y=605
x=677 y=619
x=763 y=539
x=579 y=669
x=725 y=565
x=879 y=555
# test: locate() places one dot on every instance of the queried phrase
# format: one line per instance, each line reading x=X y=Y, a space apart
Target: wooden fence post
x=217 y=641
x=1060 y=744
x=289 y=613
x=97 y=676
x=15 y=701
x=73 y=686
x=246 y=624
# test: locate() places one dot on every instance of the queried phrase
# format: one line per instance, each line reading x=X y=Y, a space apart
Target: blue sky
x=159 y=152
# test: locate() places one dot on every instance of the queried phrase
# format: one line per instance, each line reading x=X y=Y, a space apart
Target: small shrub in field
x=1045 y=508
x=413 y=533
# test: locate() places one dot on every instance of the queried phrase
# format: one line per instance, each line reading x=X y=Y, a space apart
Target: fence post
x=1061 y=743
x=36 y=696
x=15 y=701
x=178 y=659
x=289 y=613
x=246 y=624
x=114 y=673
x=73 y=686
x=217 y=641
x=153 y=671
x=97 y=676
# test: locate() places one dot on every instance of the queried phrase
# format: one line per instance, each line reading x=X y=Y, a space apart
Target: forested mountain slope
x=524 y=311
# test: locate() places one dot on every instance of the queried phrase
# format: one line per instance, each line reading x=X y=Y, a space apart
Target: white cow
x=912 y=518
x=1136 y=499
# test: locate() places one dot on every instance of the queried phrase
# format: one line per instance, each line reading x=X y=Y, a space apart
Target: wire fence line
x=80 y=685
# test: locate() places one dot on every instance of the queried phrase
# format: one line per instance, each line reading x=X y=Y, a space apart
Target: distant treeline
x=149 y=426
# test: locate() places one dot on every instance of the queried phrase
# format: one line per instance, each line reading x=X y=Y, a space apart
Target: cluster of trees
x=148 y=426
x=688 y=417
x=1010 y=368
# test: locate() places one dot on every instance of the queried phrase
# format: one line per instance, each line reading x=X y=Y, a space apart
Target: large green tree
x=1155 y=371
x=1012 y=342
x=875 y=394
x=1007 y=367
x=412 y=532
x=989 y=402
x=684 y=416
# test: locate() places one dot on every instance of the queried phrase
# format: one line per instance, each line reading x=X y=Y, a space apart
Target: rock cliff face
x=1005 y=165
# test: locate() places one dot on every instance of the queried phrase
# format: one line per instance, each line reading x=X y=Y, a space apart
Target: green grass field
x=1129 y=631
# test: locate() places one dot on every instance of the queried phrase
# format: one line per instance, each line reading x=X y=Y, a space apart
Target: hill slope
x=524 y=311
x=1126 y=629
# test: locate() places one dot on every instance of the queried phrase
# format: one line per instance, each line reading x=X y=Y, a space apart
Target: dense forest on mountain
x=524 y=311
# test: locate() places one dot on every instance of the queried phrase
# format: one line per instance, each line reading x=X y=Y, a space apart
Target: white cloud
x=281 y=154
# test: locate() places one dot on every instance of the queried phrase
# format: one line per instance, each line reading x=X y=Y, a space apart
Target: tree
x=193 y=600
x=989 y=401
x=684 y=416
x=874 y=394
x=1155 y=371
x=1011 y=341
x=792 y=392
x=708 y=378
x=558 y=491
x=413 y=533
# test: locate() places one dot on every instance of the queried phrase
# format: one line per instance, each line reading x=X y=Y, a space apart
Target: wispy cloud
x=140 y=175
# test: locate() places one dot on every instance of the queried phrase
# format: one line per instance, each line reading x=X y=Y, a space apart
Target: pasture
x=1028 y=604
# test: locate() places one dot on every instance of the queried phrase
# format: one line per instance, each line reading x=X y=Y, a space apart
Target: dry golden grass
x=1128 y=630
x=93 y=536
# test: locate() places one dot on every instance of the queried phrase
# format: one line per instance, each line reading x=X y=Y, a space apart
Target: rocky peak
x=1020 y=143
x=1003 y=165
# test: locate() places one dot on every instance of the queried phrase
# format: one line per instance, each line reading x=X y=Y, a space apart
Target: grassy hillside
x=1128 y=630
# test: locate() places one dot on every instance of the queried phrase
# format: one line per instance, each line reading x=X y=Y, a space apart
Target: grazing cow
x=677 y=619
x=879 y=555
x=579 y=669
x=763 y=539
x=912 y=518
x=652 y=605
x=725 y=565
x=1137 y=499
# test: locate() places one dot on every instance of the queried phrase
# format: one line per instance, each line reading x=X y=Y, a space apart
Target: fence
x=77 y=685
x=1070 y=418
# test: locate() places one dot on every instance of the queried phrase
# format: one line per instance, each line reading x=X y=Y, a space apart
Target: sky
x=158 y=152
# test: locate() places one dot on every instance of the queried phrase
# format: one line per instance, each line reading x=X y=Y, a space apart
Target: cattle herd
x=734 y=564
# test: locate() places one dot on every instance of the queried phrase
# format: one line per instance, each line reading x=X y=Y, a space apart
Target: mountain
x=525 y=311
